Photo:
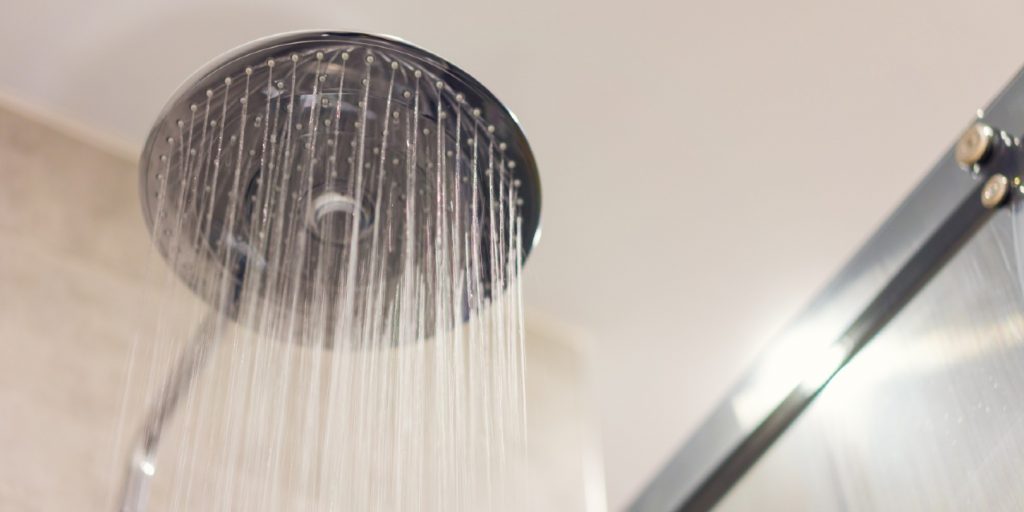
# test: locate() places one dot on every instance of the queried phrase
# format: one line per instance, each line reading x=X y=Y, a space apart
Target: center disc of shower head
x=332 y=215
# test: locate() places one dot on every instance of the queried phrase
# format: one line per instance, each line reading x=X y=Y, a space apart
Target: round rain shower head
x=300 y=157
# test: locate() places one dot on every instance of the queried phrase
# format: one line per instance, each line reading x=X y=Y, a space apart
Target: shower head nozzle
x=300 y=155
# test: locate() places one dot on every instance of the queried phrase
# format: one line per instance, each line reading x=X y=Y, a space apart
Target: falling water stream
x=352 y=226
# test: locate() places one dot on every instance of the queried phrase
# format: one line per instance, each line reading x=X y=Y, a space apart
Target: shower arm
x=142 y=462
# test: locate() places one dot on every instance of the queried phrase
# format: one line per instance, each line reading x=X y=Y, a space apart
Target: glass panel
x=928 y=415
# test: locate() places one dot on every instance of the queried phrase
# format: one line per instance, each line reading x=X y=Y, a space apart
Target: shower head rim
x=527 y=171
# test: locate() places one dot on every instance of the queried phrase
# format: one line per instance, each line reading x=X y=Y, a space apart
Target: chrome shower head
x=295 y=149
x=335 y=187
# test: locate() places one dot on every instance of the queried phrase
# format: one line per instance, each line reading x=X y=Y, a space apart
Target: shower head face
x=315 y=169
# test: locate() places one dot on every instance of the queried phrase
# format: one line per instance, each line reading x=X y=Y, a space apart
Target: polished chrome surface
x=974 y=144
x=305 y=67
x=801 y=352
x=928 y=416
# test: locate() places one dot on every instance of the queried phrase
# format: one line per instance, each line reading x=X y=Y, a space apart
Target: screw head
x=995 y=190
x=974 y=145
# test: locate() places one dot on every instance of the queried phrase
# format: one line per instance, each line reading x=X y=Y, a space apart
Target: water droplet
x=280 y=84
x=449 y=153
x=394 y=65
x=357 y=124
x=361 y=103
x=227 y=80
x=319 y=55
x=511 y=164
x=502 y=146
x=170 y=140
x=490 y=128
x=519 y=202
x=325 y=102
x=180 y=123
x=369 y=59
x=323 y=78
x=344 y=56
x=270 y=63
x=394 y=114
x=163 y=158
x=476 y=112
x=460 y=97
x=443 y=115
x=376 y=151
x=365 y=81
x=295 y=57
x=243 y=101
x=192 y=151
x=516 y=183
x=213 y=123
x=406 y=94
x=327 y=122
x=209 y=93
x=248 y=71
x=193 y=107
x=394 y=161
x=426 y=131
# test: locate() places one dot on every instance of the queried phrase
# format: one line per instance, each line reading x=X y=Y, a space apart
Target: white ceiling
x=706 y=165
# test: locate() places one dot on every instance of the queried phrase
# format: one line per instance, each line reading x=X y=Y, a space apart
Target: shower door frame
x=928 y=227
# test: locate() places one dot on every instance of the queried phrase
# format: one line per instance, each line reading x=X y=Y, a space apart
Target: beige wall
x=75 y=266
x=70 y=272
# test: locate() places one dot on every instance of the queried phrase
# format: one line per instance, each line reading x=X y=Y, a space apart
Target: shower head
x=337 y=187
x=305 y=157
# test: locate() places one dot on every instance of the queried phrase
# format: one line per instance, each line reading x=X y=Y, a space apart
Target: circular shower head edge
x=447 y=89
x=528 y=170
